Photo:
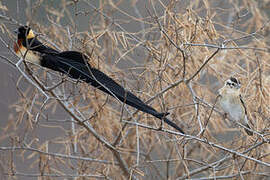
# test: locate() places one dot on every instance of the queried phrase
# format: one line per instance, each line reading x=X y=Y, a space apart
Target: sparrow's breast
x=232 y=108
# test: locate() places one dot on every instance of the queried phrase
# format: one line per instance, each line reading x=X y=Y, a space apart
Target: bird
x=232 y=103
x=75 y=65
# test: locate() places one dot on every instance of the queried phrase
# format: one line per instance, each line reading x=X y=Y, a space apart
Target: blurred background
x=150 y=48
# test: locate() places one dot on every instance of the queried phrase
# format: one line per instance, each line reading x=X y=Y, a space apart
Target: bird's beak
x=16 y=31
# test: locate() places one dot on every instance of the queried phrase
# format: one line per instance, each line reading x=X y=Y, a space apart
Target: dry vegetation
x=172 y=54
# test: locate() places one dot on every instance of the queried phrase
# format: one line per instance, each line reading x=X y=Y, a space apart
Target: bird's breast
x=29 y=55
x=232 y=108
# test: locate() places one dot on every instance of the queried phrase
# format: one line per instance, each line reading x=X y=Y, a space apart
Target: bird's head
x=233 y=83
x=25 y=32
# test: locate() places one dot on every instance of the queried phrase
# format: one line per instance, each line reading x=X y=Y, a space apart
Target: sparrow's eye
x=233 y=83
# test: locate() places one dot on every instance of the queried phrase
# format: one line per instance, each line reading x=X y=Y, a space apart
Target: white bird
x=232 y=103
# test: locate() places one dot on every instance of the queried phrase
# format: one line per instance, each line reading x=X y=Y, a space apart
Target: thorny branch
x=202 y=154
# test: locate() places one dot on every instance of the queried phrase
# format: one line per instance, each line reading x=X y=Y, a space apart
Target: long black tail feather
x=74 y=64
x=172 y=124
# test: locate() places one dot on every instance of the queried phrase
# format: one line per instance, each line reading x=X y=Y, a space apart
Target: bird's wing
x=36 y=45
x=75 y=56
x=246 y=121
x=243 y=104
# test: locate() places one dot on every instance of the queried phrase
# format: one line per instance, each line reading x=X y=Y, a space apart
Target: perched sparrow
x=232 y=103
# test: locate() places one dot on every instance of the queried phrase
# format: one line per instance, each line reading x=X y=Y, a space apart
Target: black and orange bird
x=74 y=64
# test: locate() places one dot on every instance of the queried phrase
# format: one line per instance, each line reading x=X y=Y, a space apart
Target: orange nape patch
x=17 y=45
